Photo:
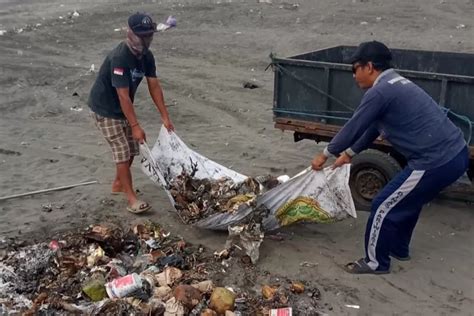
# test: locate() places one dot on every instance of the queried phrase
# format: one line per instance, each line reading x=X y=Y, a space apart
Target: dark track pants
x=396 y=208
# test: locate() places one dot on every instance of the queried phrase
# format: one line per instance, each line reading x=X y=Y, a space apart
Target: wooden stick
x=47 y=190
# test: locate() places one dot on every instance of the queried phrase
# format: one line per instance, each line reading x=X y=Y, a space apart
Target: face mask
x=138 y=45
x=147 y=41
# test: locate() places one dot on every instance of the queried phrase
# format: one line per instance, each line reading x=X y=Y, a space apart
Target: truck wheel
x=371 y=170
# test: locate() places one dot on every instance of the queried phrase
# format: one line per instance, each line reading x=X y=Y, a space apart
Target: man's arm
x=371 y=107
x=361 y=144
x=129 y=112
x=156 y=94
x=364 y=142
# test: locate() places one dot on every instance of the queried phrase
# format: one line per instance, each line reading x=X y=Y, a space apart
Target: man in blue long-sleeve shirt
x=397 y=110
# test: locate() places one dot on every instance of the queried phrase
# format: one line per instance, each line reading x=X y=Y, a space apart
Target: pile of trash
x=211 y=196
x=143 y=270
x=199 y=199
x=196 y=199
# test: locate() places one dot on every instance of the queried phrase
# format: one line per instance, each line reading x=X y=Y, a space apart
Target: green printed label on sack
x=301 y=209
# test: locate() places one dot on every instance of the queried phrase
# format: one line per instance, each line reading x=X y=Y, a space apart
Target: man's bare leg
x=117 y=185
x=125 y=178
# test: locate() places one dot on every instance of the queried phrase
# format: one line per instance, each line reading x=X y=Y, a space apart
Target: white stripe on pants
x=388 y=204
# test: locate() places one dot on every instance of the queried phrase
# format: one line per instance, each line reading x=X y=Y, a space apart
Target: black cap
x=141 y=24
x=373 y=51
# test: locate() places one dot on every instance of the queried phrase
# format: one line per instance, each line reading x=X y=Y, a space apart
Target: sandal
x=139 y=207
x=361 y=267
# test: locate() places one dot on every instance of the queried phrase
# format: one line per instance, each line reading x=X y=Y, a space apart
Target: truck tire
x=371 y=170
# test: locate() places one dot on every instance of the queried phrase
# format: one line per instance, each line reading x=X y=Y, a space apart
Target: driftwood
x=47 y=190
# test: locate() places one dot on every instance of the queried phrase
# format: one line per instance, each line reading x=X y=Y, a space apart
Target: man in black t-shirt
x=111 y=101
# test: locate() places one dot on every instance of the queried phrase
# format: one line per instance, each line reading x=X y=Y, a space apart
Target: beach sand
x=202 y=64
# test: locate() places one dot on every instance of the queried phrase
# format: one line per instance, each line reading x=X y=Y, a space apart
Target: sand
x=203 y=63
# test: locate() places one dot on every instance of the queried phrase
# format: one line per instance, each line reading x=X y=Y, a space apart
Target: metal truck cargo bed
x=315 y=94
x=318 y=87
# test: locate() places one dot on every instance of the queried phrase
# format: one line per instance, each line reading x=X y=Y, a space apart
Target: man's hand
x=138 y=134
x=341 y=160
x=318 y=162
x=169 y=125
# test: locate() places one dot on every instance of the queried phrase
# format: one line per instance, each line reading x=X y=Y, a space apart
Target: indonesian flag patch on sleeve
x=118 y=71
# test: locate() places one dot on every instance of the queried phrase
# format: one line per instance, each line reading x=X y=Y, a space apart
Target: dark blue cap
x=373 y=51
x=141 y=24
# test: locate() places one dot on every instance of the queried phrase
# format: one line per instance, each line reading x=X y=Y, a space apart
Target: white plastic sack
x=311 y=196
x=170 y=155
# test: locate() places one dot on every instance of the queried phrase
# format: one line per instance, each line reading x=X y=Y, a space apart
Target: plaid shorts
x=118 y=134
